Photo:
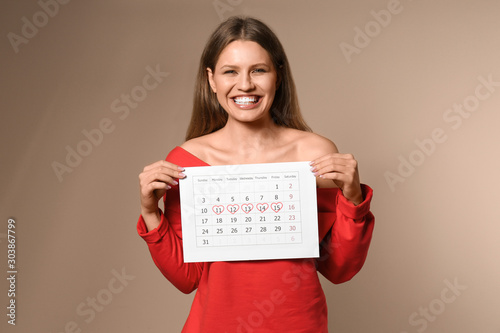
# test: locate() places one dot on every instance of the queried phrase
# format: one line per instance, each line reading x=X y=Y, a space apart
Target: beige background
x=440 y=224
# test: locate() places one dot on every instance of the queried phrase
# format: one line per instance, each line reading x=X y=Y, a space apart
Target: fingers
x=163 y=164
x=163 y=171
x=155 y=180
x=333 y=155
x=165 y=175
x=340 y=179
x=334 y=163
x=160 y=175
x=154 y=190
x=342 y=169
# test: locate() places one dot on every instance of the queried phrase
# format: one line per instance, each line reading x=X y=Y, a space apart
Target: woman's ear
x=211 y=80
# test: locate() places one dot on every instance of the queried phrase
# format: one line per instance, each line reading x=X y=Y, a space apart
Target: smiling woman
x=245 y=111
x=285 y=108
x=245 y=81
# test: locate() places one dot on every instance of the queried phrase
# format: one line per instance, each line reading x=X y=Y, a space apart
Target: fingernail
x=313 y=169
x=311 y=163
x=180 y=168
x=169 y=187
x=175 y=182
x=181 y=175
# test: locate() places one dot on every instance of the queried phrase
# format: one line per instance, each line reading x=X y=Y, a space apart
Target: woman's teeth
x=246 y=100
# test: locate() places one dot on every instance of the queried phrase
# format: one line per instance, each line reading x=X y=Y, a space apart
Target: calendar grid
x=247 y=209
x=249 y=212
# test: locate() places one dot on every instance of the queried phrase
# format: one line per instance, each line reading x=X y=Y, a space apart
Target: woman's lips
x=246 y=100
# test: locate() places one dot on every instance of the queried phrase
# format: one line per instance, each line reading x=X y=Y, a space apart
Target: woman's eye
x=229 y=72
x=259 y=70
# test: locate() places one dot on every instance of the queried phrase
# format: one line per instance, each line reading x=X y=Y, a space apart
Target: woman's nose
x=245 y=82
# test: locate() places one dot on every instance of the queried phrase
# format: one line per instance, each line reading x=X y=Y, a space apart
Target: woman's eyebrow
x=260 y=64
x=228 y=66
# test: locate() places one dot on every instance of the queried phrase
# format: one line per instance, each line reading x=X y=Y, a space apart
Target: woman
x=246 y=111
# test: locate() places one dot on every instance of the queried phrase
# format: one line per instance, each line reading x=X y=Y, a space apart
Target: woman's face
x=244 y=80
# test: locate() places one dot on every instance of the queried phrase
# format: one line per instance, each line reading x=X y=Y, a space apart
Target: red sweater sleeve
x=165 y=241
x=165 y=247
x=344 y=246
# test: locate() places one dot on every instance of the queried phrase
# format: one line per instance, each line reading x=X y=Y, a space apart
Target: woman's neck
x=249 y=139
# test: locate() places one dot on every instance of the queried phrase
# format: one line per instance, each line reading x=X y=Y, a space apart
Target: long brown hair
x=208 y=116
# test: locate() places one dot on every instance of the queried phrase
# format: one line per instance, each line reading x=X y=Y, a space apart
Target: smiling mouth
x=246 y=100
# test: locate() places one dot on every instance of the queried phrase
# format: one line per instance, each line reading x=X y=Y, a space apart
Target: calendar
x=249 y=212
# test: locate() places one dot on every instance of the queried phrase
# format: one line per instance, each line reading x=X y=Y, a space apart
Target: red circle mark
x=214 y=208
x=232 y=211
x=276 y=206
x=243 y=206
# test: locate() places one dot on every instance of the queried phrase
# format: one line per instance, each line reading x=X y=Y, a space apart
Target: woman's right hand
x=154 y=182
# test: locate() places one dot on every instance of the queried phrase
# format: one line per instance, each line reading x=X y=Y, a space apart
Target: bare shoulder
x=193 y=144
x=198 y=146
x=312 y=146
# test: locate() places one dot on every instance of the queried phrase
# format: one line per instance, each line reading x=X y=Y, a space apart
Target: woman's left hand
x=343 y=170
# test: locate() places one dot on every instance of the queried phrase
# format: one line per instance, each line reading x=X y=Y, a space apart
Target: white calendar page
x=249 y=212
